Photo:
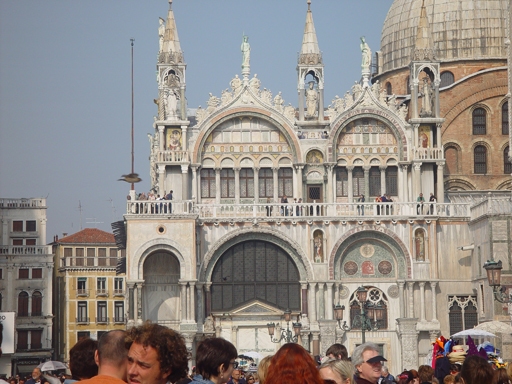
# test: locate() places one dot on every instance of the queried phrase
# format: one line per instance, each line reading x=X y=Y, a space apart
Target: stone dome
x=461 y=29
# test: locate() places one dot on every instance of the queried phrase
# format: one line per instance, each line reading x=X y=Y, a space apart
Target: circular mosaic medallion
x=350 y=268
x=385 y=267
x=393 y=291
x=367 y=250
x=344 y=292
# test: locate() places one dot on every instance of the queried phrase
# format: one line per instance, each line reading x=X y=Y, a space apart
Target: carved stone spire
x=171 y=39
x=309 y=48
x=424 y=47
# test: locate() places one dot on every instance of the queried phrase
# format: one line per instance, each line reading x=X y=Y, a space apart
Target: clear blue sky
x=65 y=84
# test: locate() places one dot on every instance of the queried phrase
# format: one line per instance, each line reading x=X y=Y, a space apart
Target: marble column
x=350 y=169
x=433 y=286
x=439 y=143
x=410 y=291
x=131 y=303
x=237 y=185
x=184 y=140
x=436 y=100
x=183 y=299
x=184 y=182
x=312 y=303
x=440 y=182
x=194 y=182
x=256 y=172
x=329 y=168
x=422 y=300
x=161 y=179
x=207 y=288
x=321 y=301
x=320 y=101
x=330 y=303
x=382 y=169
x=301 y=101
x=217 y=186
x=414 y=99
x=199 y=186
x=316 y=343
x=183 y=103
x=299 y=169
x=409 y=341
x=366 y=170
x=234 y=335
x=401 y=298
x=276 y=185
x=139 y=301
x=417 y=180
x=192 y=301
x=161 y=137
x=415 y=132
x=200 y=303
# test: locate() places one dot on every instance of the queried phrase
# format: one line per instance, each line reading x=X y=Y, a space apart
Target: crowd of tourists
x=154 y=354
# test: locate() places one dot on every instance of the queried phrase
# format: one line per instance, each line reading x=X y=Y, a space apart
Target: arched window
x=246 y=183
x=376 y=309
x=480 y=155
x=462 y=313
x=507 y=164
x=227 y=183
x=37 y=304
x=389 y=89
x=479 y=121
x=447 y=79
x=358 y=182
x=208 y=183
x=374 y=181
x=255 y=270
x=392 y=181
x=266 y=182
x=504 y=119
x=23 y=304
x=285 y=182
x=341 y=182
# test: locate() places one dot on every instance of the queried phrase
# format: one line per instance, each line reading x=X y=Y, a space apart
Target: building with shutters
x=89 y=295
x=26 y=269
x=229 y=254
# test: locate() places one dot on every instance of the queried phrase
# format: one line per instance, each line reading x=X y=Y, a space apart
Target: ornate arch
x=435 y=72
x=272 y=236
x=459 y=184
x=369 y=112
x=372 y=231
x=217 y=119
x=163 y=244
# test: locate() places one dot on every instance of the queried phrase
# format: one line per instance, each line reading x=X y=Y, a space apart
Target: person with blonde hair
x=340 y=371
x=263 y=369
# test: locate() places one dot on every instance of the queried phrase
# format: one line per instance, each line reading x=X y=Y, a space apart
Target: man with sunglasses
x=368 y=363
x=235 y=376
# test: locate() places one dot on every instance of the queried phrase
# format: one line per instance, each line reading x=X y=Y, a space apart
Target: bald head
x=112 y=348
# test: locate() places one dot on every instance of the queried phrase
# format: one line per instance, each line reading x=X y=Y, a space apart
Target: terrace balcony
x=426 y=154
x=25 y=250
x=22 y=203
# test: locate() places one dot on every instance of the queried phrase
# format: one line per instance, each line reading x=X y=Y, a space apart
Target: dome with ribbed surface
x=461 y=29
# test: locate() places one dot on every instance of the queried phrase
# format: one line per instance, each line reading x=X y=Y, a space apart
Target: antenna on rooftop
x=80 y=209
x=114 y=211
x=95 y=222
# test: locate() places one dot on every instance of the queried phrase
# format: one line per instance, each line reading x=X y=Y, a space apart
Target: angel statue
x=367 y=55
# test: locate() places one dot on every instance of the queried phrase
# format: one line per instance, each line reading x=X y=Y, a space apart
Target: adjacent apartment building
x=26 y=270
x=89 y=296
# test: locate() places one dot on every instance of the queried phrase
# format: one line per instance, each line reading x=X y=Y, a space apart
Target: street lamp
x=286 y=334
x=493 y=269
x=362 y=320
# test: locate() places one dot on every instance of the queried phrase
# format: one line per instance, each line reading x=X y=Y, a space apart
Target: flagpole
x=132 y=40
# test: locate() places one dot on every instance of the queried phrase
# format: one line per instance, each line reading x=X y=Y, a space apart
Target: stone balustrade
x=160 y=207
x=22 y=203
x=491 y=206
x=25 y=250
x=427 y=153
x=172 y=156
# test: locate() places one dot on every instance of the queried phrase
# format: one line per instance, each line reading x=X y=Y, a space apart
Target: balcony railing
x=36 y=314
x=25 y=250
x=119 y=319
x=491 y=206
x=102 y=320
x=160 y=207
x=428 y=153
x=82 y=292
x=22 y=203
x=82 y=320
x=101 y=292
x=118 y=292
x=348 y=210
x=172 y=156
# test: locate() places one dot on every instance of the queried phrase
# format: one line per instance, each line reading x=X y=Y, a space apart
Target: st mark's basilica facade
x=229 y=255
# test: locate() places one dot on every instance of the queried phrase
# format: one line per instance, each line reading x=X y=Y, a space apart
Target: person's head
x=81 y=359
x=249 y=378
x=449 y=379
x=337 y=351
x=340 y=371
x=368 y=362
x=112 y=355
x=156 y=355
x=12 y=381
x=455 y=368
x=235 y=375
x=476 y=370
x=405 y=377
x=425 y=373
x=292 y=364
x=509 y=370
x=416 y=378
x=263 y=368
x=36 y=373
x=501 y=376
x=215 y=359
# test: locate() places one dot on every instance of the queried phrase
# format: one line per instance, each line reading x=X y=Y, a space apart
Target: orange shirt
x=103 y=379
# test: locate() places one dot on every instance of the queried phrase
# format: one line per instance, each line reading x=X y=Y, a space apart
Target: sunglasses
x=234 y=363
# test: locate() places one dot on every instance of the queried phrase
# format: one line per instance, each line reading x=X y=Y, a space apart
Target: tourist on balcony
x=284 y=208
x=378 y=200
x=360 y=208
x=169 y=197
x=299 y=208
x=419 y=207
x=389 y=206
x=432 y=199
x=385 y=208
x=269 y=207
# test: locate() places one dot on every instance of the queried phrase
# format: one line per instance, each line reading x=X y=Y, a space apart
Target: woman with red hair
x=292 y=364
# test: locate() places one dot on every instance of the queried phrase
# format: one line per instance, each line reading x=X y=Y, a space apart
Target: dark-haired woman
x=215 y=360
x=292 y=364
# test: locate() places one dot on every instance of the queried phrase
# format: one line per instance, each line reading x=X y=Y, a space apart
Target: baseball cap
x=376 y=359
